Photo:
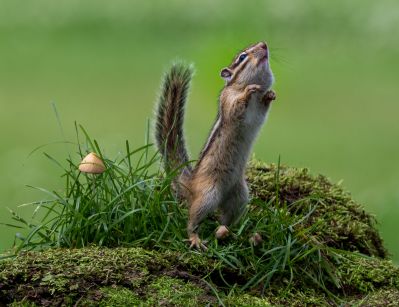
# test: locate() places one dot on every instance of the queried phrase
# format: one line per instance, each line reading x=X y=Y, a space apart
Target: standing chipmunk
x=217 y=181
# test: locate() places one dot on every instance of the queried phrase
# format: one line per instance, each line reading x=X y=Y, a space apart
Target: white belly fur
x=255 y=116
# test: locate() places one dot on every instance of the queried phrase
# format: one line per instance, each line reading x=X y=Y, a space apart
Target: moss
x=58 y=276
x=338 y=220
x=175 y=292
x=312 y=297
x=282 y=297
x=246 y=300
x=163 y=290
x=381 y=297
x=119 y=297
x=127 y=276
x=301 y=297
x=367 y=274
x=192 y=260
x=59 y=271
x=23 y=303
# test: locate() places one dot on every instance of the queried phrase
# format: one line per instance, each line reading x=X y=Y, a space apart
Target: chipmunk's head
x=250 y=66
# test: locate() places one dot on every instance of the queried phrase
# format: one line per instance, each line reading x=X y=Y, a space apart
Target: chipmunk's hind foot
x=196 y=242
x=222 y=232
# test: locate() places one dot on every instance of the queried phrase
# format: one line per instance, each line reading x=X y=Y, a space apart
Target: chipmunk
x=217 y=181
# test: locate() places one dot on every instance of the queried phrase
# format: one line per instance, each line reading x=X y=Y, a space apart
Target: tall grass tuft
x=130 y=204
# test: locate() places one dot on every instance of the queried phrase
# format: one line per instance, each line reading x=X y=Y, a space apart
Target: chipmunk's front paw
x=195 y=242
x=269 y=96
x=252 y=88
x=249 y=90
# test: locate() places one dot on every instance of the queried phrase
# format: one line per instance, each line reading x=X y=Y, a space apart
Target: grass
x=131 y=204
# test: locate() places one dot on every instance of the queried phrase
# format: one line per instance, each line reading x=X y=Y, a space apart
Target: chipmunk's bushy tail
x=170 y=117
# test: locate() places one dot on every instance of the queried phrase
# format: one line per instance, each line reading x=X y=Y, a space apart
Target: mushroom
x=256 y=239
x=92 y=164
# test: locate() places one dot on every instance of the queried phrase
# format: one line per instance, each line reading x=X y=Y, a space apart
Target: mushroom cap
x=92 y=164
x=256 y=239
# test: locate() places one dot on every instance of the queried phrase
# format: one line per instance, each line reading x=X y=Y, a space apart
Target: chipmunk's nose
x=262 y=45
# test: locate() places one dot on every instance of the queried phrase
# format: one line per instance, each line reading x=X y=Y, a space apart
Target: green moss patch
x=367 y=274
x=60 y=276
x=379 y=298
x=247 y=300
x=176 y=292
x=118 y=297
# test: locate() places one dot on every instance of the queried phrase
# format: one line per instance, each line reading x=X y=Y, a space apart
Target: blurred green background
x=336 y=65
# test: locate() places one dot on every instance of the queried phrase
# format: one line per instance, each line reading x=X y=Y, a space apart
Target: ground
x=328 y=234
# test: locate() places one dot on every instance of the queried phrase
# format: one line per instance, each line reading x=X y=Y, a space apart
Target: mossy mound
x=312 y=224
x=133 y=276
x=338 y=220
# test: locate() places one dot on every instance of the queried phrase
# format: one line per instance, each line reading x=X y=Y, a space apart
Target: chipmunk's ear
x=226 y=74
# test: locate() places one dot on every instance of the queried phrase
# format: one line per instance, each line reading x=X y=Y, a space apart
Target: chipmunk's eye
x=242 y=57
